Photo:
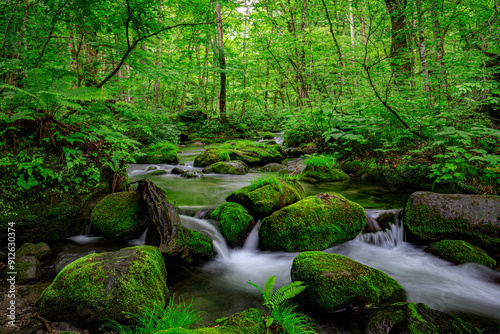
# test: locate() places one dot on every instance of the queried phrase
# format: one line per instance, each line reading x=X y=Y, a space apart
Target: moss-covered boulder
x=335 y=282
x=273 y=167
x=27 y=268
x=41 y=250
x=431 y=217
x=261 y=201
x=236 y=167
x=322 y=174
x=459 y=252
x=250 y=321
x=120 y=216
x=157 y=172
x=51 y=217
x=158 y=153
x=106 y=285
x=411 y=318
x=210 y=156
x=266 y=134
x=257 y=155
x=314 y=223
x=234 y=222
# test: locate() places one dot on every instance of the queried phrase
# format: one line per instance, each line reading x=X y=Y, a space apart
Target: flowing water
x=219 y=288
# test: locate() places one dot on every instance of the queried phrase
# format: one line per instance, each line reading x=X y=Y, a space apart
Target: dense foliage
x=407 y=87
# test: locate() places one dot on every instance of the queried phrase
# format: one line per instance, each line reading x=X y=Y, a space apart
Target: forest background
x=399 y=91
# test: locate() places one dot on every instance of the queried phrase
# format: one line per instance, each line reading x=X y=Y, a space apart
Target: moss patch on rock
x=431 y=217
x=314 y=223
x=27 y=268
x=315 y=174
x=158 y=153
x=265 y=199
x=250 y=321
x=106 y=285
x=210 y=156
x=119 y=216
x=236 y=167
x=459 y=252
x=234 y=222
x=335 y=282
x=41 y=250
x=51 y=218
x=412 y=318
x=199 y=246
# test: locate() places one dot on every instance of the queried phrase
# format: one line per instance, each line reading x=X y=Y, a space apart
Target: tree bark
x=222 y=65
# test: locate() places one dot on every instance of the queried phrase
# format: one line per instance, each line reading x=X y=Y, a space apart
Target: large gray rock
x=28 y=269
x=431 y=217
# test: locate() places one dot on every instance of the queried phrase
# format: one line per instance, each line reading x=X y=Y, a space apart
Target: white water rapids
x=469 y=289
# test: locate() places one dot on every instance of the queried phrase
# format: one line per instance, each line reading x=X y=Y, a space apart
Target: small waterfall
x=253 y=238
x=88 y=228
x=389 y=238
x=208 y=230
x=139 y=241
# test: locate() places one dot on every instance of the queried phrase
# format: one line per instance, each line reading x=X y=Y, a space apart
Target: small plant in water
x=157 y=317
x=283 y=318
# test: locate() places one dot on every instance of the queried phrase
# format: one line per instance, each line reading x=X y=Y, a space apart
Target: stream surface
x=219 y=287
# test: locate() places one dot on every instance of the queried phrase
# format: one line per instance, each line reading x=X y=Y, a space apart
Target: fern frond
x=87 y=94
x=268 y=288
x=25 y=92
x=256 y=286
x=287 y=292
x=62 y=86
x=38 y=80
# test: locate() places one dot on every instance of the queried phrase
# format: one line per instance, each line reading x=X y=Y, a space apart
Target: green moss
x=27 y=268
x=158 y=172
x=426 y=225
x=51 y=218
x=224 y=167
x=40 y=250
x=314 y=223
x=250 y=321
x=158 y=153
x=413 y=319
x=335 y=282
x=234 y=222
x=210 y=156
x=118 y=216
x=322 y=174
x=459 y=251
x=265 y=199
x=266 y=135
x=106 y=285
x=199 y=246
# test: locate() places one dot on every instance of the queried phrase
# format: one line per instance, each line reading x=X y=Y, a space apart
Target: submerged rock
x=236 y=167
x=322 y=174
x=190 y=174
x=234 y=223
x=459 y=252
x=335 y=282
x=120 y=216
x=261 y=201
x=67 y=256
x=106 y=285
x=158 y=172
x=431 y=217
x=314 y=223
x=250 y=321
x=411 y=318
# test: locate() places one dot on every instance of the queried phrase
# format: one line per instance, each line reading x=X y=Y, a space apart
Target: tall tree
x=222 y=65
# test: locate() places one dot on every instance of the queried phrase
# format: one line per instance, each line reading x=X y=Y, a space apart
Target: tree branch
x=132 y=47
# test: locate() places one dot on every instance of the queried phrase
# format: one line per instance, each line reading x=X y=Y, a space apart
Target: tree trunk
x=222 y=65
x=156 y=95
x=421 y=47
x=401 y=59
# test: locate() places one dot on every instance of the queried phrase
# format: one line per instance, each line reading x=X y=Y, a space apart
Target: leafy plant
x=282 y=315
x=158 y=318
x=315 y=160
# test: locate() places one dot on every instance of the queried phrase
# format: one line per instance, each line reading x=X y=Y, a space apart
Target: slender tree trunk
x=399 y=46
x=156 y=88
x=362 y=20
x=222 y=65
x=421 y=48
x=353 y=42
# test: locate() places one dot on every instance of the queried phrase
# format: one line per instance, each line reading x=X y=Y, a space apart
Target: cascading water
x=252 y=240
x=389 y=238
x=208 y=230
